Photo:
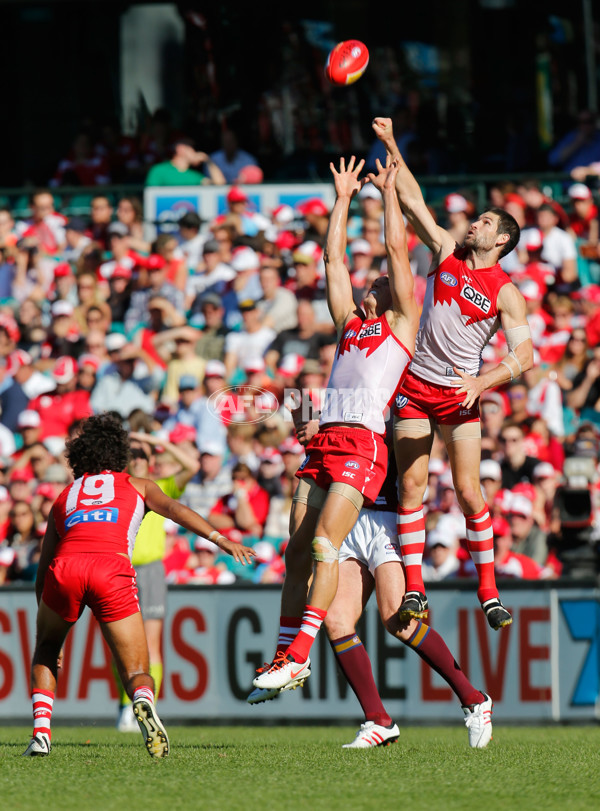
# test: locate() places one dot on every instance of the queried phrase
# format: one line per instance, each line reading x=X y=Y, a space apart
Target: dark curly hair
x=100 y=444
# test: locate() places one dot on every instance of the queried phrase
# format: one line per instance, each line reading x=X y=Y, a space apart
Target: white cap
x=579 y=191
x=61 y=308
x=490 y=469
x=245 y=259
x=520 y=505
x=212 y=447
x=436 y=466
x=436 y=537
x=114 y=341
x=544 y=470
x=455 y=203
x=369 y=190
x=215 y=368
x=29 y=419
x=360 y=246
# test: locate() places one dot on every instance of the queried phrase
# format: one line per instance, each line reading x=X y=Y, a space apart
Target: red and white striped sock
x=43 y=703
x=480 y=543
x=411 y=535
x=311 y=622
x=143 y=692
x=288 y=631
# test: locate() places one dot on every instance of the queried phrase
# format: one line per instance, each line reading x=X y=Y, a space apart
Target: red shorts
x=417 y=399
x=348 y=455
x=105 y=583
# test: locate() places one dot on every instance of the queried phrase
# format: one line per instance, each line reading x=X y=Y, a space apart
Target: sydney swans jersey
x=369 y=366
x=459 y=317
x=99 y=513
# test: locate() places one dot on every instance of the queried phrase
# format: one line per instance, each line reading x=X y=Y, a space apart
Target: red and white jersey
x=459 y=317
x=370 y=363
x=99 y=513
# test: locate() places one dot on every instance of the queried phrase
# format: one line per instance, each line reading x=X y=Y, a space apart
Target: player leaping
x=346 y=462
x=468 y=297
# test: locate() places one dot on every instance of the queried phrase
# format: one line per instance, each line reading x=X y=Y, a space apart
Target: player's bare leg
x=354 y=589
x=336 y=519
x=465 y=455
x=127 y=642
x=51 y=633
x=412 y=445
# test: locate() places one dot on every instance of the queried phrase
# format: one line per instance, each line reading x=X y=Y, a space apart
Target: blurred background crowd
x=193 y=336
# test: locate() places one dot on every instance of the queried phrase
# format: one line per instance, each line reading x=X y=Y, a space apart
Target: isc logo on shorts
x=347 y=475
x=109 y=514
x=475 y=297
x=371 y=331
x=352 y=464
x=448 y=279
x=401 y=401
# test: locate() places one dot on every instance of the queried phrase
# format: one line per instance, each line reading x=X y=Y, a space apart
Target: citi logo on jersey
x=370 y=331
x=475 y=297
x=109 y=514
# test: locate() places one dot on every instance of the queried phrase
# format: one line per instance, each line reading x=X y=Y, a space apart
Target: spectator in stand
x=584 y=397
x=278 y=307
x=537 y=317
x=556 y=337
x=316 y=214
x=242 y=512
x=508 y=563
x=45 y=227
x=209 y=275
x=77 y=239
x=33 y=272
x=308 y=283
x=157 y=285
x=459 y=212
x=588 y=303
x=25 y=541
x=579 y=147
x=101 y=211
x=165 y=248
x=516 y=465
x=178 y=171
x=583 y=220
x=130 y=212
x=119 y=246
x=230 y=159
x=573 y=359
x=13 y=400
x=184 y=362
x=534 y=198
x=119 y=296
x=544 y=398
x=119 y=390
x=24 y=373
x=245 y=285
x=82 y=167
x=546 y=480
x=527 y=537
x=64 y=284
x=252 y=340
x=246 y=221
x=194 y=409
x=211 y=343
x=559 y=249
x=303 y=340
x=441 y=545
x=59 y=408
x=490 y=475
x=361 y=262
x=90 y=297
x=212 y=482
x=64 y=336
x=191 y=241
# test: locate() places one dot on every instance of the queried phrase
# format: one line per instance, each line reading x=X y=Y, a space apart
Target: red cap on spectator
x=291 y=445
x=250 y=174
x=516 y=199
x=591 y=293
x=21 y=475
x=525 y=489
x=89 y=360
x=46 y=490
x=500 y=526
x=534 y=239
x=154 y=262
x=65 y=369
x=62 y=269
x=283 y=214
x=236 y=195
x=313 y=206
x=121 y=272
x=16 y=360
x=8 y=323
x=182 y=433
x=454 y=203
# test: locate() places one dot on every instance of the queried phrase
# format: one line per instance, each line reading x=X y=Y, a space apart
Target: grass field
x=301 y=768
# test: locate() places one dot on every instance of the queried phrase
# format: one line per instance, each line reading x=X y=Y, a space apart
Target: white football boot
x=39 y=746
x=284 y=674
x=478 y=721
x=372 y=734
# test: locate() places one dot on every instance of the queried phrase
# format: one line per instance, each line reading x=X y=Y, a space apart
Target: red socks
x=411 y=535
x=311 y=623
x=43 y=703
x=480 y=543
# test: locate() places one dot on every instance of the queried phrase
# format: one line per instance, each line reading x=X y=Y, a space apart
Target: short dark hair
x=190 y=220
x=507 y=225
x=101 y=444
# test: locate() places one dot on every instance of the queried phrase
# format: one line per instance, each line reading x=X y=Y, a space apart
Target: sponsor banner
x=544 y=667
x=164 y=206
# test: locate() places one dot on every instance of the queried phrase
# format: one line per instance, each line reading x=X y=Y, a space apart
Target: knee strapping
x=323 y=551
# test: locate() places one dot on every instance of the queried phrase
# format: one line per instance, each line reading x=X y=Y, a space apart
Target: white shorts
x=373 y=540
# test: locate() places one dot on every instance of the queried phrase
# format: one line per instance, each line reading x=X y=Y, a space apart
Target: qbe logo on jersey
x=370 y=331
x=475 y=297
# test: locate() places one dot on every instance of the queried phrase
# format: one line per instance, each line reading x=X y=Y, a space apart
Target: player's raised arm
x=437 y=239
x=162 y=504
x=513 y=317
x=339 y=288
x=400 y=273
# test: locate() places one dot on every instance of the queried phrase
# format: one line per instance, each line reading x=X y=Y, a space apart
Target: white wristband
x=214 y=533
x=510 y=371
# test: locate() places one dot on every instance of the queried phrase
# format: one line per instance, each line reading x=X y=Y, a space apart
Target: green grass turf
x=304 y=768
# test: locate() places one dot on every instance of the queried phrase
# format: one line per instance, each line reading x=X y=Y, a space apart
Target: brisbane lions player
x=468 y=297
x=86 y=560
x=346 y=462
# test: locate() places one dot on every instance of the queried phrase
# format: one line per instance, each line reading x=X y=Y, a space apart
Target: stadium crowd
x=196 y=338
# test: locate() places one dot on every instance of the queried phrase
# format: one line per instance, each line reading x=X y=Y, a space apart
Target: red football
x=347 y=62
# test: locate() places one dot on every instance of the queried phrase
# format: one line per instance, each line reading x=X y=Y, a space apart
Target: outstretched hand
x=346 y=181
x=386 y=175
x=243 y=554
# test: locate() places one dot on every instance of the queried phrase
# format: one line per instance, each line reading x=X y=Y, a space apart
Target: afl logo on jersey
x=475 y=297
x=448 y=279
x=401 y=401
x=353 y=465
